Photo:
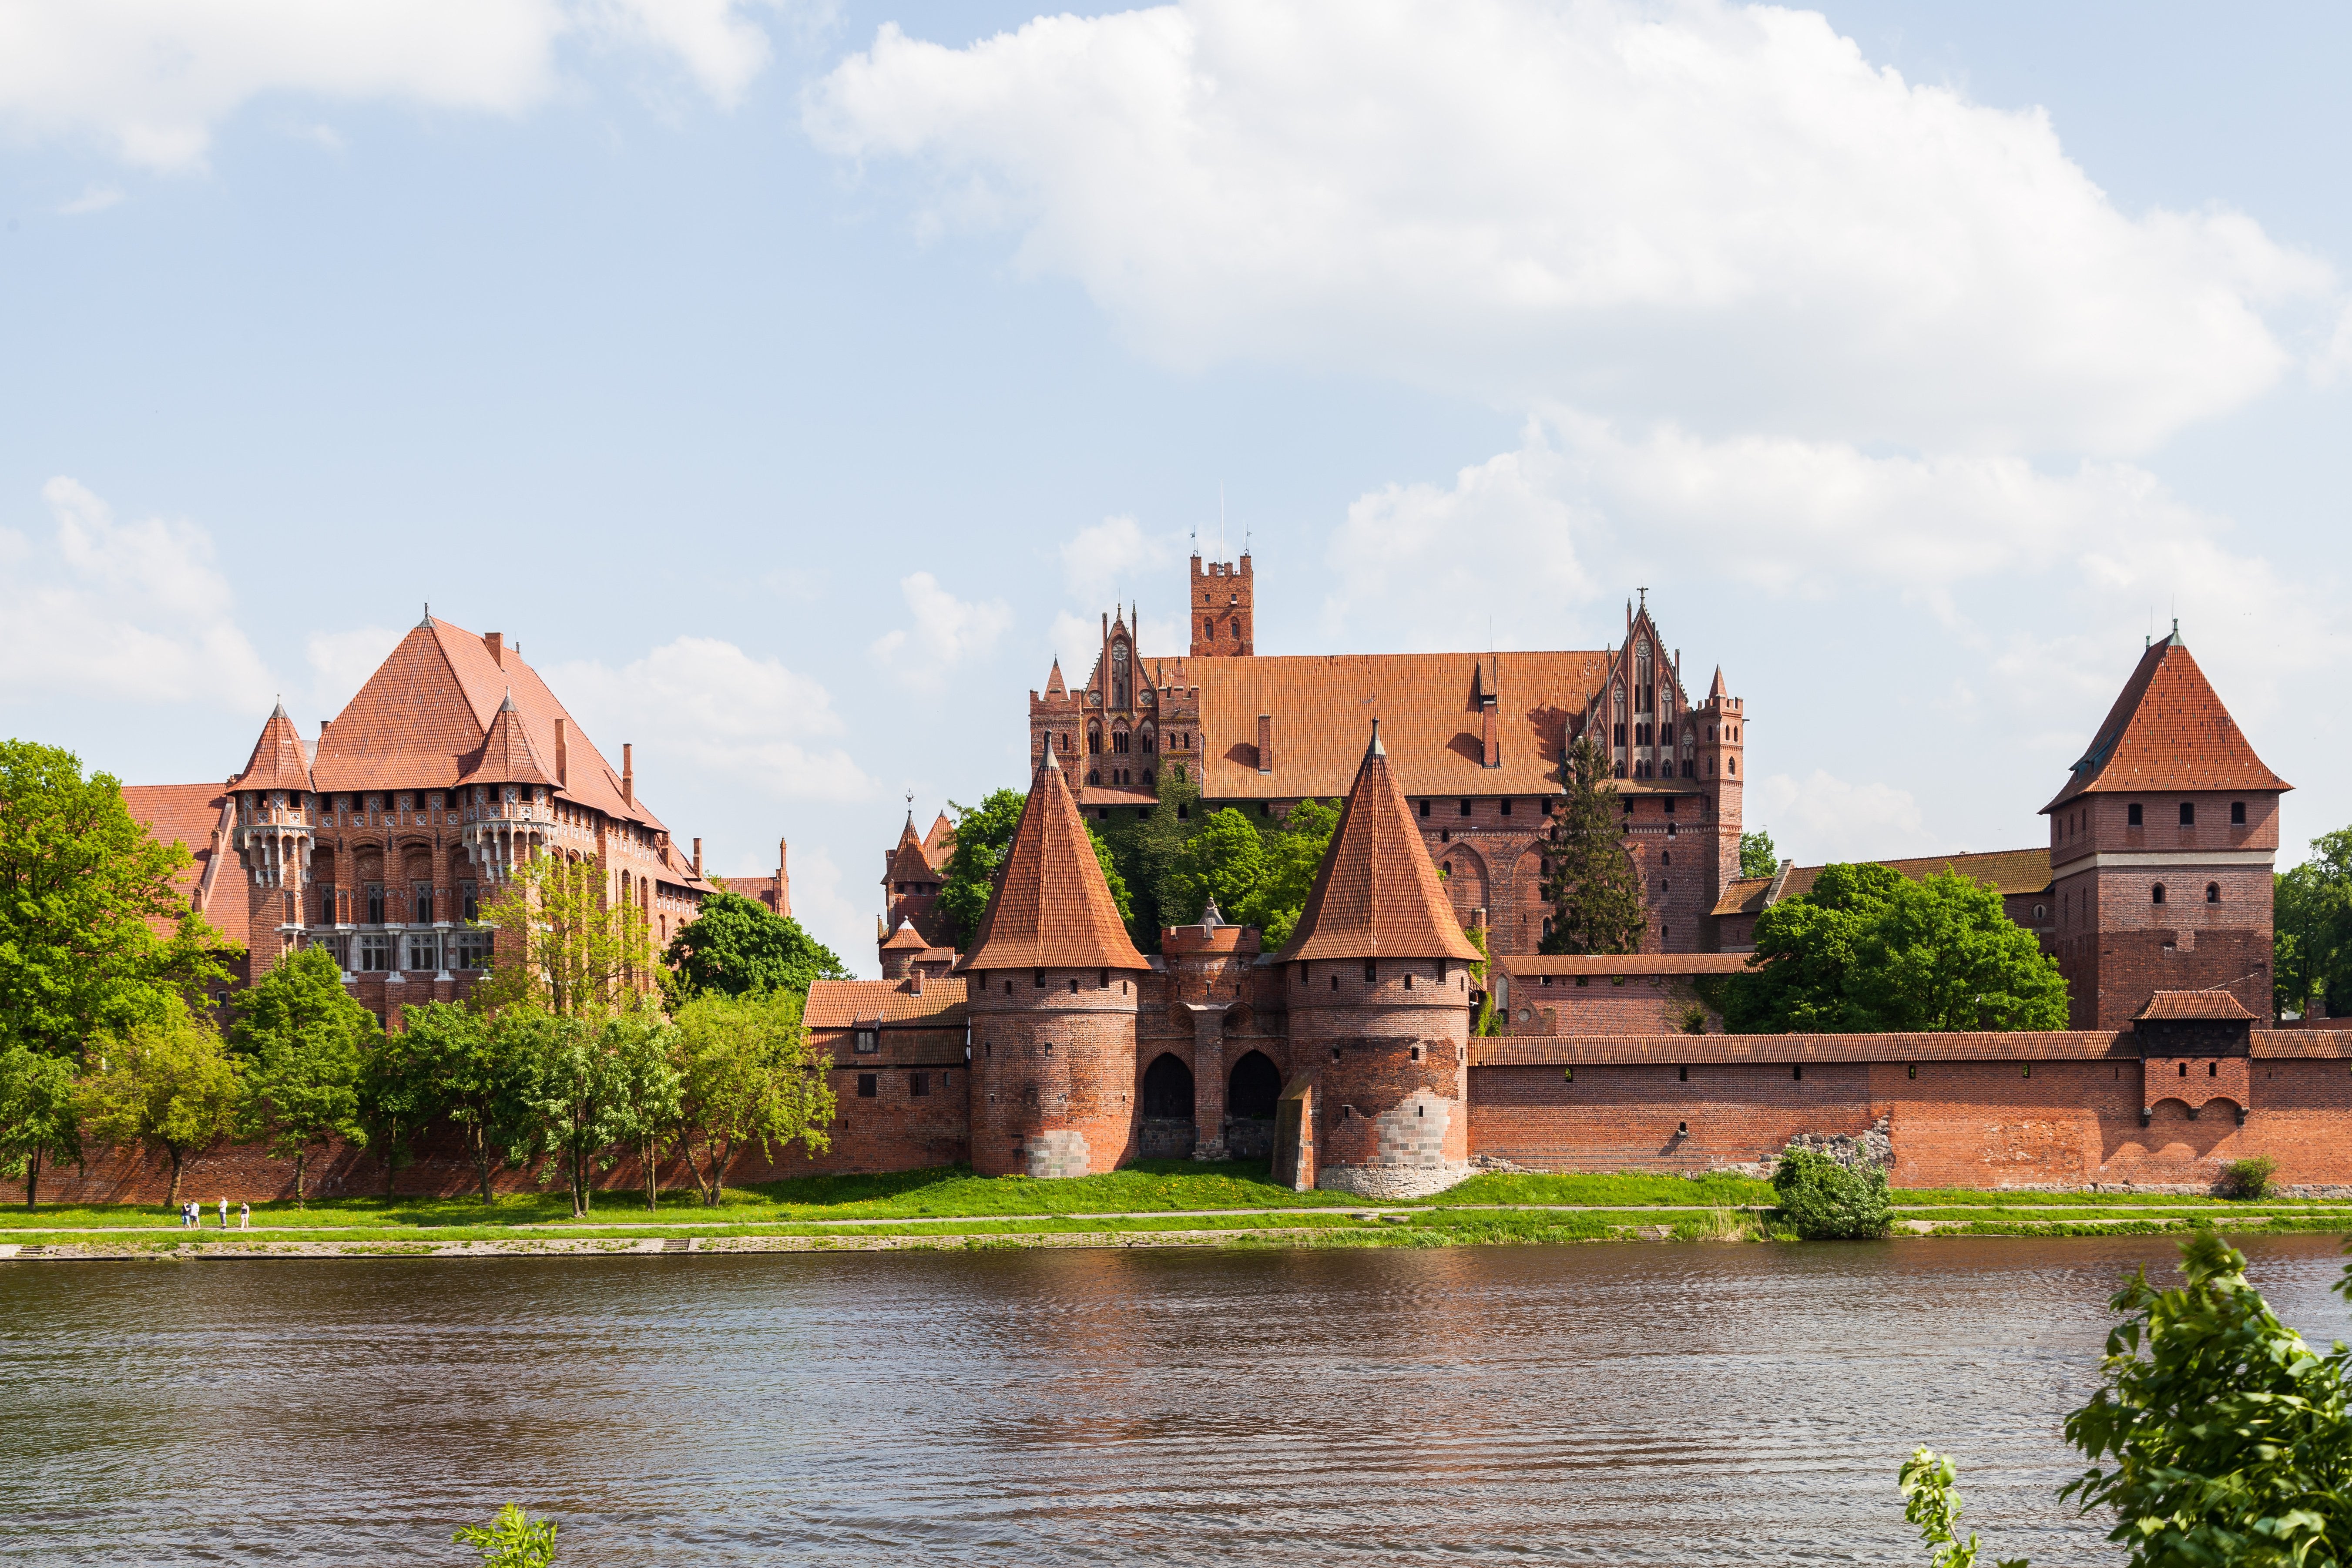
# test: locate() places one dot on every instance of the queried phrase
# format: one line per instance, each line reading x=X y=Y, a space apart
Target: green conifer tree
x=1594 y=892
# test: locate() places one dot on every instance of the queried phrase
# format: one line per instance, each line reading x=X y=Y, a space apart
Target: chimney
x=496 y=643
x=1493 y=756
x=697 y=857
x=628 y=775
x=562 y=755
x=1266 y=742
x=915 y=980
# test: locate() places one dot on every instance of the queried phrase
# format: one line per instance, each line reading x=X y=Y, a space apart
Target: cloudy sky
x=793 y=381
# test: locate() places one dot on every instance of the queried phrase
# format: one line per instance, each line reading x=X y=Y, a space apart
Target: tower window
x=1371 y=974
x=1466 y=808
x=868 y=1084
x=2131 y=814
x=2156 y=894
x=2213 y=892
x=2237 y=814
x=1424 y=808
x=2187 y=813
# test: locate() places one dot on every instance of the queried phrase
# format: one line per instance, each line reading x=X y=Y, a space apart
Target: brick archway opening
x=1253 y=1088
x=1167 y=1090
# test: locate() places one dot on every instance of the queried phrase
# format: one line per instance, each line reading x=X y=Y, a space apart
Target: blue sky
x=793 y=383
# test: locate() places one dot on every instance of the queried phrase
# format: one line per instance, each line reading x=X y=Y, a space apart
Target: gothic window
x=2213 y=892
x=1118 y=677
x=375 y=903
x=1119 y=740
x=1094 y=740
x=1094 y=776
x=1148 y=746
x=1147 y=778
x=2156 y=894
x=1209 y=630
x=1731 y=764
x=1237 y=628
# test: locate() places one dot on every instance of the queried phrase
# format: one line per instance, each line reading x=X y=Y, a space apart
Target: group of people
x=191 y=1216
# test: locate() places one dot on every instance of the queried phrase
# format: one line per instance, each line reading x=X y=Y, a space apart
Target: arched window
x=1094 y=740
x=1731 y=764
x=2156 y=894
x=1209 y=630
x=2213 y=892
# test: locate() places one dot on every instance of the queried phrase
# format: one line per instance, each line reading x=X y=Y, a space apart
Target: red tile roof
x=196 y=816
x=908 y=861
x=905 y=937
x=2009 y=871
x=505 y=756
x=2167 y=730
x=429 y=705
x=1376 y=894
x=939 y=843
x=1432 y=720
x=278 y=761
x=1051 y=908
x=2192 y=1004
x=839 y=1003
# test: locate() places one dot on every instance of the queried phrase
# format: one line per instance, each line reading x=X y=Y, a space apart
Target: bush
x=1824 y=1201
x=2249 y=1178
x=514 y=1540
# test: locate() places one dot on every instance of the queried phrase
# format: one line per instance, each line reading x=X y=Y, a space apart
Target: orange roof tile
x=940 y=842
x=839 y=1003
x=1428 y=704
x=2165 y=1005
x=908 y=861
x=1051 y=908
x=2167 y=730
x=429 y=705
x=905 y=937
x=278 y=761
x=505 y=756
x=1376 y=894
x=192 y=814
x=2009 y=871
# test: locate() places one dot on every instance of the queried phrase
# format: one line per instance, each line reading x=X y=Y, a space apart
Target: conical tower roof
x=1719 y=689
x=1376 y=895
x=905 y=938
x=506 y=755
x=908 y=861
x=278 y=761
x=1051 y=909
x=2168 y=731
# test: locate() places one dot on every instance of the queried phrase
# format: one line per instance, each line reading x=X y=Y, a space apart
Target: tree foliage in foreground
x=1757 y=857
x=1825 y=1201
x=39 y=1122
x=564 y=944
x=513 y=1539
x=84 y=891
x=1867 y=949
x=748 y=1078
x=1594 y=892
x=736 y=946
x=303 y=1040
x=168 y=1083
x=2311 y=924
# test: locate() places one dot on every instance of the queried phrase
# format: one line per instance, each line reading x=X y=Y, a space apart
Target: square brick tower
x=1223 y=613
x=2161 y=851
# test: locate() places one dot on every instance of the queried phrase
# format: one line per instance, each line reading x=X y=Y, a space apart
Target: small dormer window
x=869 y=1041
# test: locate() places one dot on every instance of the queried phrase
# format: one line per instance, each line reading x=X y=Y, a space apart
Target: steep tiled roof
x=939 y=843
x=1376 y=895
x=2165 y=1005
x=2009 y=871
x=428 y=706
x=278 y=761
x=2167 y=730
x=908 y=861
x=505 y=756
x=1051 y=909
x=838 y=1003
x=1431 y=720
x=191 y=815
x=905 y=937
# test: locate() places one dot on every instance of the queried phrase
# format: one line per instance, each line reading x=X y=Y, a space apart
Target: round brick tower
x=1378 y=978
x=1053 y=989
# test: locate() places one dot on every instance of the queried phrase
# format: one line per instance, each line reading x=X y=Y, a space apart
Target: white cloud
x=153 y=79
x=130 y=611
x=946 y=632
x=1722 y=215
x=1824 y=819
x=96 y=199
x=1098 y=562
x=698 y=707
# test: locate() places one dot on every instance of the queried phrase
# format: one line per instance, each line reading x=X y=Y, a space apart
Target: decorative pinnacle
x=1376 y=749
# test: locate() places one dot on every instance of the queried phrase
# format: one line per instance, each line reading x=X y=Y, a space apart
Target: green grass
x=1626 y=1189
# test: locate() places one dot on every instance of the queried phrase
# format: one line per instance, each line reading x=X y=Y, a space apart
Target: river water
x=1611 y=1403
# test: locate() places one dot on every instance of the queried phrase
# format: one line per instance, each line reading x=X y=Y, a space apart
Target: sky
x=795 y=381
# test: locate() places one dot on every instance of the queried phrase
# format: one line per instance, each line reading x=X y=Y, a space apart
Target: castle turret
x=898 y=954
x=1224 y=608
x=1053 y=992
x=2161 y=851
x=1377 y=973
x=276 y=815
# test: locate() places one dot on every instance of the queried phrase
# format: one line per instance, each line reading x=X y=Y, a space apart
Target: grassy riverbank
x=1159 y=1203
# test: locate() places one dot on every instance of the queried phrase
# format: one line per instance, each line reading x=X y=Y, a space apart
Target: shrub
x=2249 y=1178
x=1692 y=1020
x=1824 y=1201
x=514 y=1540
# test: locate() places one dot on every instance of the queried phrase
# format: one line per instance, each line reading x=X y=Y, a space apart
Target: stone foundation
x=1387 y=1183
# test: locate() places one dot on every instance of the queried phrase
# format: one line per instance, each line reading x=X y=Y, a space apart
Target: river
x=1644 y=1404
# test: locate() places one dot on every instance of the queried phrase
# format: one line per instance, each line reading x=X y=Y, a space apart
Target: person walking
x=224 y=1211
x=243 y=1217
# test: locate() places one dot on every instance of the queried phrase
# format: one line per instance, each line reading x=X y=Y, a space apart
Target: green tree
x=983 y=834
x=644 y=1044
x=39 y=1121
x=2217 y=1435
x=1825 y=1201
x=1294 y=853
x=1758 y=858
x=2311 y=920
x=564 y=944
x=513 y=1539
x=83 y=890
x=575 y=1093
x=303 y=1039
x=1930 y=1503
x=403 y=1090
x=1867 y=949
x=168 y=1083
x=738 y=945
x=751 y=1077
x=1225 y=857
x=1593 y=889
x=1484 y=1024
x=472 y=1061
x=1121 y=899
